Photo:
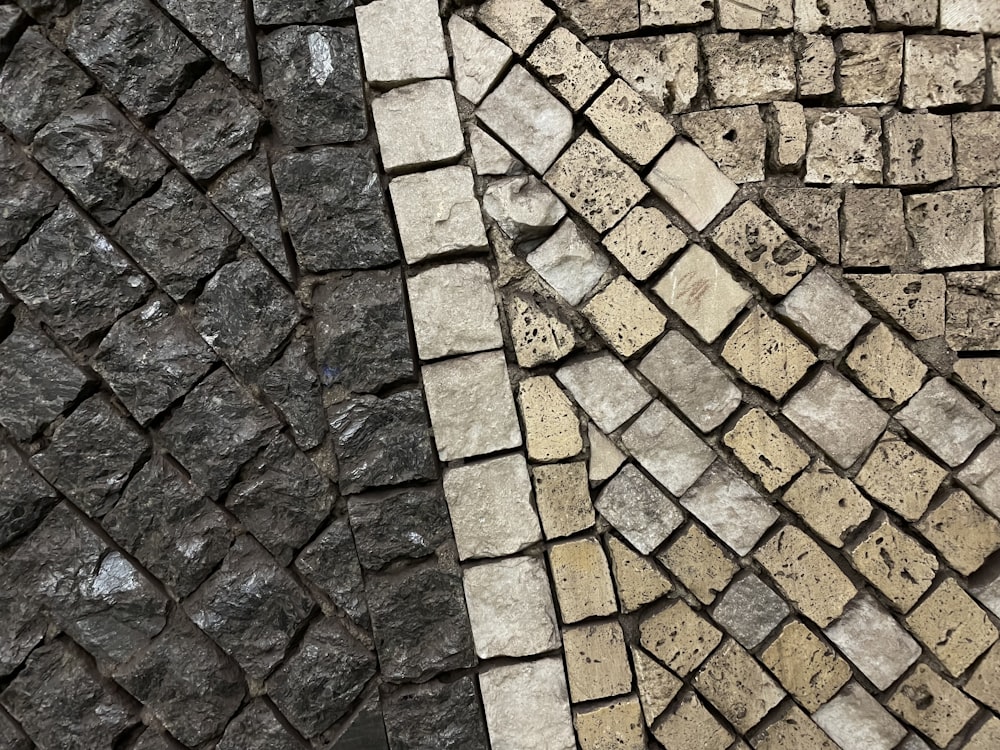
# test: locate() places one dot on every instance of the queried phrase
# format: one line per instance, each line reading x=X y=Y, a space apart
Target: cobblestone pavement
x=518 y=375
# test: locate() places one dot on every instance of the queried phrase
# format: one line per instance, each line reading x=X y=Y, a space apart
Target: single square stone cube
x=874 y=229
x=854 y=718
x=972 y=319
x=817 y=15
x=639 y=579
x=895 y=563
x=667 y=448
x=643 y=241
x=766 y=354
x=934 y=706
x=871 y=67
x=673 y=12
x=402 y=41
x=417 y=126
x=582 y=579
x=435 y=709
x=920 y=148
x=617 y=722
x=829 y=504
x=629 y=123
x=977 y=136
x=845 y=146
x=749 y=610
x=944 y=420
x=562 y=497
x=690 y=724
x=806 y=666
x=569 y=67
x=663 y=69
x=691 y=183
x=638 y=509
x=678 y=636
x=969 y=15
x=734 y=138
x=982 y=375
x=528 y=699
x=901 y=477
x=292 y=385
x=569 y=263
x=624 y=317
x=330 y=562
x=256 y=726
x=596 y=661
x=947 y=228
x=750 y=70
x=737 y=686
x=825 y=310
x=699 y=562
x=757 y=15
x=943 y=70
x=985 y=681
x=952 y=627
x=604 y=388
x=765 y=449
x=962 y=532
x=885 y=366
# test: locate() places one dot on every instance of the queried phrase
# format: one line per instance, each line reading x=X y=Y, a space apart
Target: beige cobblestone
x=569 y=67
x=900 y=477
x=829 y=504
x=765 y=449
x=806 y=666
x=844 y=146
x=582 y=579
x=952 y=627
x=735 y=684
x=932 y=705
x=691 y=183
x=551 y=426
x=596 y=661
x=915 y=301
x=624 y=317
x=700 y=563
x=895 y=563
x=691 y=725
x=664 y=69
x=657 y=685
x=871 y=67
x=629 y=124
x=792 y=729
x=562 y=496
x=734 y=138
x=643 y=241
x=638 y=579
x=885 y=366
x=517 y=22
x=766 y=354
x=678 y=636
x=617 y=724
x=984 y=684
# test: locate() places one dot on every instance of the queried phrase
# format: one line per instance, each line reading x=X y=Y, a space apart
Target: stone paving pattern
x=508 y=375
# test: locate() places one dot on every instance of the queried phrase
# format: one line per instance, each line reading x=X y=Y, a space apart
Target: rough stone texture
x=538 y=336
x=765 y=449
x=605 y=456
x=604 y=388
x=26 y=195
x=985 y=681
x=885 y=366
x=929 y=703
x=217 y=428
x=420 y=622
x=471 y=405
x=919 y=148
x=293 y=386
x=736 y=685
x=57 y=696
x=489 y=156
x=941 y=418
x=673 y=454
x=402 y=41
x=756 y=15
x=835 y=415
x=915 y=301
x=952 y=627
x=972 y=321
x=829 y=503
x=806 y=575
x=382 y=441
x=136 y=51
x=408 y=523
x=479 y=59
x=165 y=521
x=814 y=15
x=312 y=84
x=596 y=661
x=510 y=608
x=615 y=17
x=702 y=391
x=490 y=508
x=678 y=636
x=551 y=426
x=37 y=382
x=210 y=127
x=24 y=497
x=569 y=67
x=766 y=354
x=628 y=122
x=942 y=70
x=448 y=712
x=643 y=241
x=871 y=67
x=844 y=146
x=595 y=183
x=527 y=705
x=220 y=26
x=562 y=497
x=703 y=566
x=582 y=579
x=691 y=183
x=901 y=477
x=522 y=206
x=568 y=262
x=855 y=719
x=792 y=728
x=975 y=135
x=517 y=22
x=188 y=684
x=657 y=686
x=749 y=610
x=177 y=236
x=624 y=317
x=638 y=579
x=330 y=562
x=418 y=125
x=663 y=69
x=982 y=477
x=895 y=564
x=786 y=130
x=362 y=339
x=982 y=375
x=316 y=685
x=752 y=70
x=36 y=84
x=891 y=13
x=256 y=727
x=946 y=228
x=734 y=138
x=806 y=666
x=702 y=292
x=816 y=63
x=638 y=509
x=824 y=310
x=690 y=724
x=618 y=722
x=730 y=507
x=873 y=641
x=811 y=215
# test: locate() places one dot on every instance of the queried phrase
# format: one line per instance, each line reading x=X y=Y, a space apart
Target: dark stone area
x=24 y=496
x=11 y=737
x=26 y=195
x=251 y=607
x=420 y=622
x=335 y=208
x=362 y=340
x=37 y=83
x=152 y=357
x=21 y=626
x=219 y=25
x=331 y=564
x=293 y=386
x=135 y=51
x=218 y=428
x=210 y=127
x=447 y=712
x=383 y=441
x=12 y=20
x=312 y=84
x=243 y=193
x=74 y=277
x=317 y=684
x=92 y=455
x=153 y=740
x=364 y=730
x=188 y=684
x=177 y=236
x=245 y=314
x=408 y=523
x=282 y=499
x=166 y=522
x=275 y=12
x=37 y=382
x=45 y=10
x=99 y=157
x=257 y=728
x=62 y=703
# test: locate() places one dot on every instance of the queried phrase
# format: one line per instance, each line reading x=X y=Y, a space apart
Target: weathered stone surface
x=982 y=375
x=894 y=13
x=489 y=156
x=901 y=477
x=942 y=70
x=638 y=509
x=136 y=51
x=875 y=229
x=409 y=523
x=885 y=366
x=37 y=83
x=835 y=415
x=538 y=336
x=479 y=59
x=844 y=146
x=402 y=41
x=643 y=241
x=448 y=712
x=814 y=15
x=871 y=67
x=582 y=579
x=753 y=70
x=807 y=667
x=786 y=130
x=792 y=728
x=690 y=724
x=510 y=608
x=945 y=421
x=667 y=448
x=825 y=310
x=12 y=19
x=605 y=456
x=293 y=386
x=595 y=183
x=765 y=449
x=257 y=728
x=734 y=138
x=975 y=135
x=629 y=123
x=219 y=427
x=657 y=686
x=985 y=681
x=382 y=441
x=638 y=579
x=952 y=626
x=982 y=477
x=220 y=27
x=551 y=425
x=177 y=236
x=58 y=699
x=873 y=641
x=811 y=215
x=568 y=262
x=730 y=507
x=915 y=301
x=437 y=213
x=562 y=497
x=517 y=22
x=37 y=382
x=816 y=64
x=932 y=705
x=895 y=563
x=615 y=17
x=663 y=69
x=312 y=84
x=986 y=736
x=698 y=561
x=490 y=507
x=330 y=562
x=749 y=610
x=572 y=70
x=737 y=686
x=522 y=206
x=527 y=705
x=624 y=317
x=596 y=661
x=418 y=125
x=618 y=722
x=829 y=503
x=678 y=636
x=855 y=719
x=919 y=148
x=972 y=320
x=24 y=497
x=211 y=126
x=604 y=388
x=755 y=15
x=946 y=228
x=691 y=183
x=766 y=354
x=26 y=195
x=10 y=733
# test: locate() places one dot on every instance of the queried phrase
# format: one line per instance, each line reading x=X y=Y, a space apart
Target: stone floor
x=519 y=375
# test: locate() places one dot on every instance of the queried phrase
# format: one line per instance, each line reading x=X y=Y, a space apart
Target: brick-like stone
x=844 y=146
x=786 y=131
x=687 y=179
x=737 y=686
x=643 y=241
x=749 y=610
x=614 y=17
x=664 y=69
x=919 y=148
x=792 y=728
x=885 y=366
x=479 y=58
x=527 y=705
x=806 y=666
x=907 y=13
x=952 y=627
x=982 y=375
x=401 y=41
x=628 y=122
x=944 y=420
x=624 y=317
x=596 y=661
x=750 y=70
x=604 y=388
x=638 y=579
x=638 y=509
x=757 y=15
x=667 y=448
x=582 y=579
x=815 y=15
x=871 y=67
x=562 y=497
x=657 y=685
x=947 y=228
x=829 y=504
x=854 y=718
x=569 y=67
x=874 y=229
x=895 y=563
x=735 y=138
x=765 y=449
x=943 y=70
x=766 y=354
x=689 y=725
x=915 y=301
x=619 y=722
x=825 y=310
x=900 y=477
x=975 y=135
x=816 y=62
x=984 y=684
x=811 y=215
x=551 y=426
x=678 y=636
x=539 y=336
x=418 y=125
x=932 y=705
x=518 y=22
x=700 y=563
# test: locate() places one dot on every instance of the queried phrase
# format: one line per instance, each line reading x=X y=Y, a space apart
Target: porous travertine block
x=942 y=70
